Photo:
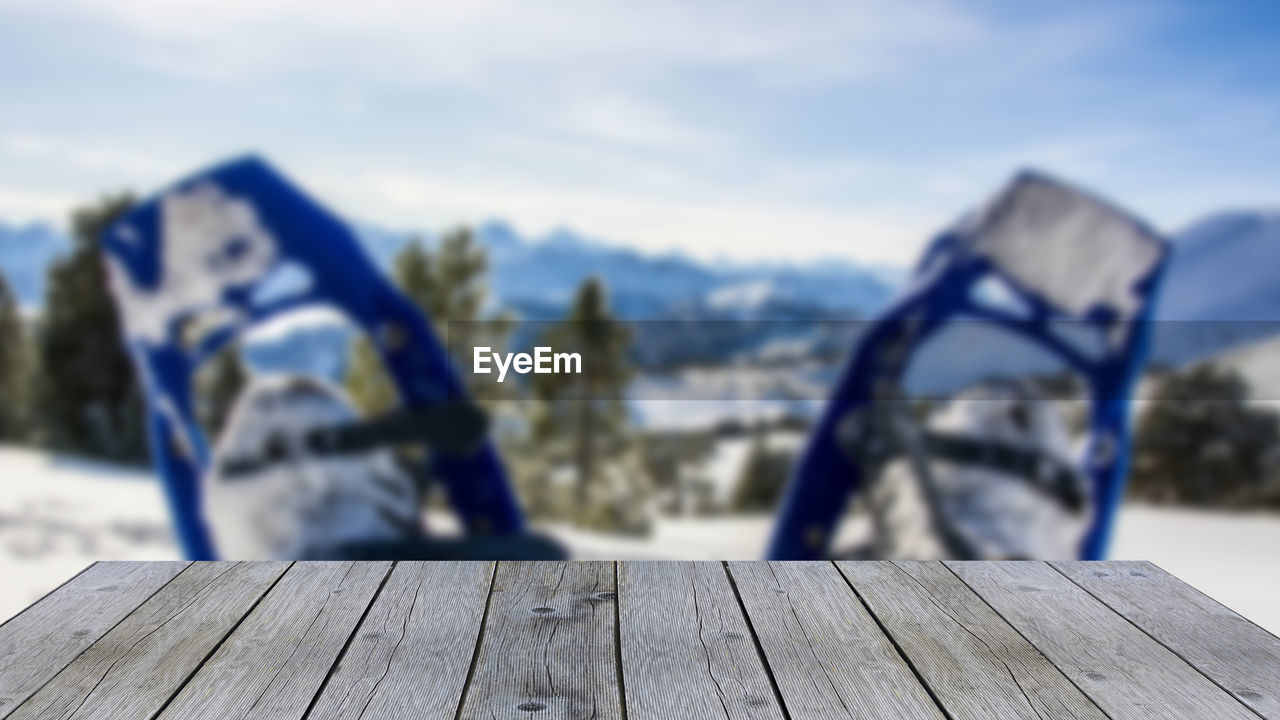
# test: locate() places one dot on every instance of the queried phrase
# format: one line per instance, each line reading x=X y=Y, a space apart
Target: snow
x=283 y=326
x=1074 y=250
x=729 y=457
x=1256 y=363
x=692 y=415
x=1223 y=270
x=58 y=514
x=724 y=467
x=747 y=295
x=701 y=397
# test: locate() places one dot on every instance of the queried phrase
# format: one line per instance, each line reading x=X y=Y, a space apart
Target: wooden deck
x=633 y=640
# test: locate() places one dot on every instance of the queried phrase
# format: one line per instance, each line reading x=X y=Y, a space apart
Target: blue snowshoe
x=298 y=474
x=988 y=475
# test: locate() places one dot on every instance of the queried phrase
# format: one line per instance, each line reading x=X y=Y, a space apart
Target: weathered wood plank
x=275 y=661
x=40 y=641
x=1124 y=671
x=549 y=645
x=136 y=667
x=1236 y=654
x=976 y=664
x=411 y=655
x=827 y=655
x=686 y=649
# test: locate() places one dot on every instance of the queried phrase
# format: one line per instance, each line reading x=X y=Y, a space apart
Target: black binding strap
x=452 y=428
x=1041 y=469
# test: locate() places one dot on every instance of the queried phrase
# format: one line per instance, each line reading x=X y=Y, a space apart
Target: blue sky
x=721 y=129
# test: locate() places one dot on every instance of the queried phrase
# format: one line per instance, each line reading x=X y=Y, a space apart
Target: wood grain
x=976 y=664
x=40 y=641
x=275 y=661
x=687 y=652
x=1124 y=671
x=138 y=666
x=1239 y=656
x=549 y=645
x=542 y=641
x=827 y=654
x=411 y=655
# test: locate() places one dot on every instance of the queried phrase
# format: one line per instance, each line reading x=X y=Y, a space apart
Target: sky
x=740 y=130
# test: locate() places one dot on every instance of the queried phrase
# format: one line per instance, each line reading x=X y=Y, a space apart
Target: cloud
x=100 y=158
x=709 y=225
x=22 y=205
x=837 y=127
x=617 y=118
x=27 y=144
x=483 y=39
x=43 y=176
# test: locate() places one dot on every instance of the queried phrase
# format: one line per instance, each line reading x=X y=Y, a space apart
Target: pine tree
x=670 y=460
x=13 y=368
x=448 y=285
x=764 y=475
x=88 y=398
x=366 y=379
x=583 y=415
x=1201 y=442
x=414 y=273
x=217 y=386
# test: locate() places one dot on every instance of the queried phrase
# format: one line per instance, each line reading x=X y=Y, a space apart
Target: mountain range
x=539 y=275
x=26 y=251
x=1222 y=288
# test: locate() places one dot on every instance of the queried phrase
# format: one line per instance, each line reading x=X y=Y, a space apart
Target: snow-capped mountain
x=542 y=273
x=1225 y=267
x=1222 y=287
x=548 y=270
x=25 y=254
x=537 y=277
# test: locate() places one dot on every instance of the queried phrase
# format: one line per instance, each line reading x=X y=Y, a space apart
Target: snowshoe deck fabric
x=1073 y=263
x=274 y=492
x=292 y=502
x=994 y=480
x=206 y=259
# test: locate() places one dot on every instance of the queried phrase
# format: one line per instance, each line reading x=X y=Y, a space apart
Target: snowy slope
x=547 y=269
x=58 y=515
x=1258 y=362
